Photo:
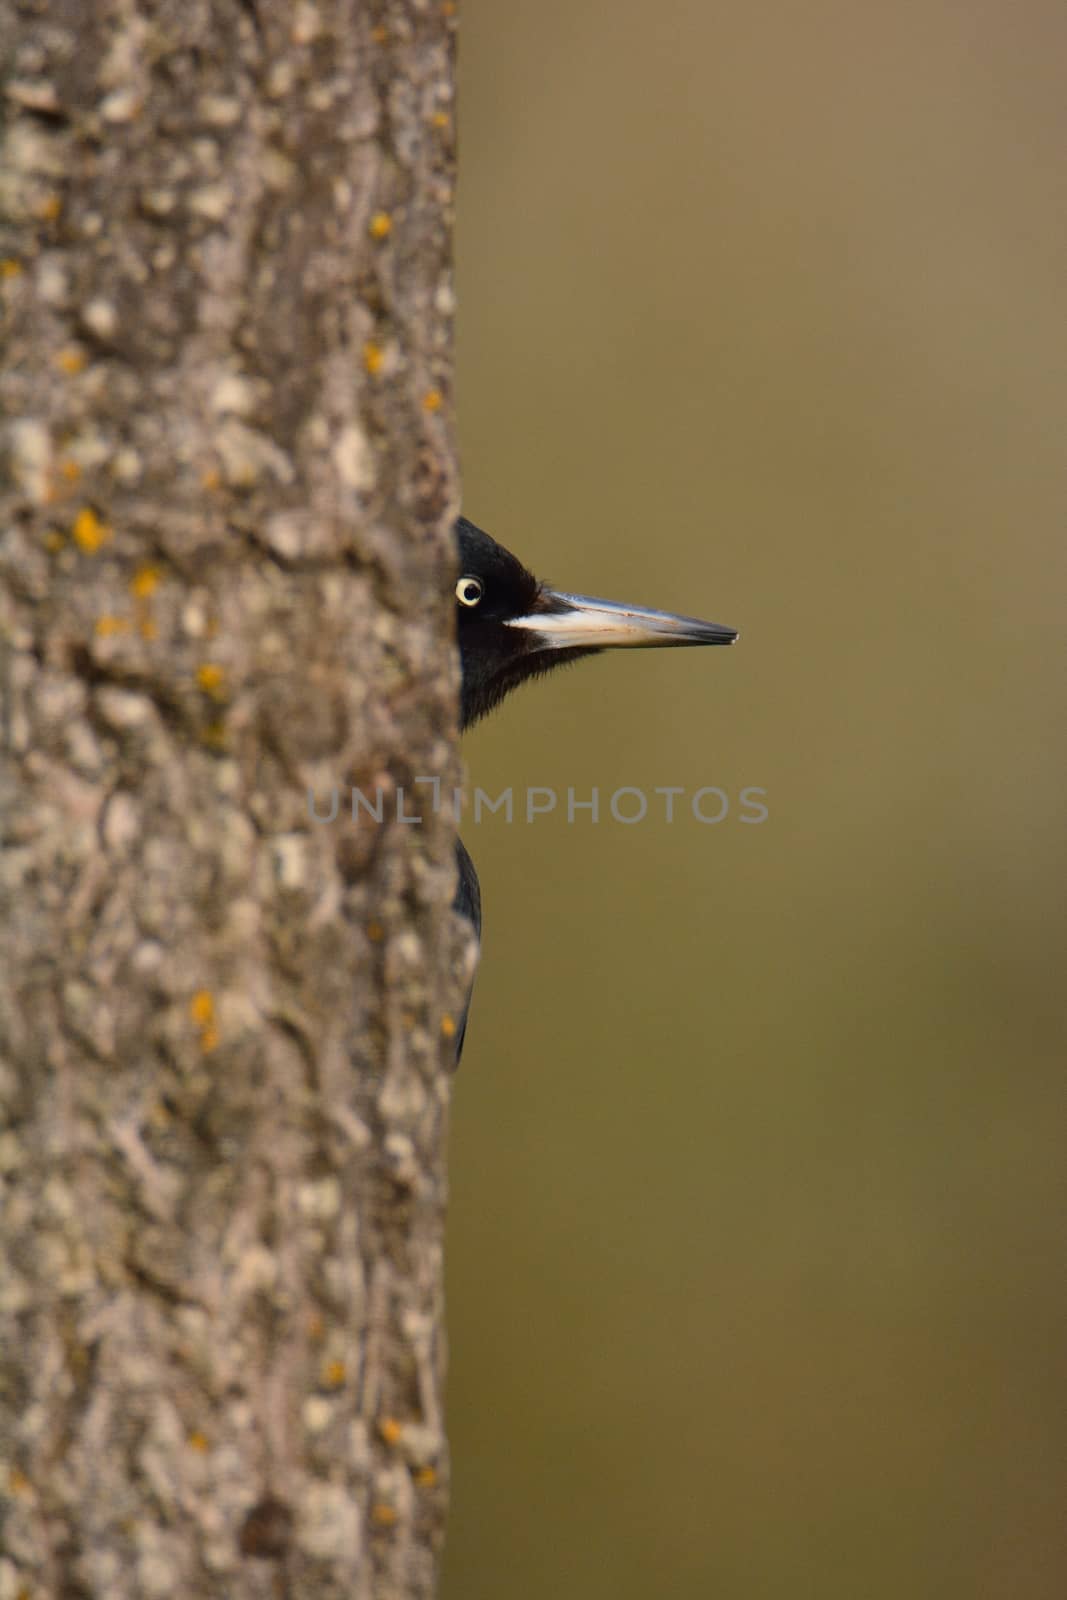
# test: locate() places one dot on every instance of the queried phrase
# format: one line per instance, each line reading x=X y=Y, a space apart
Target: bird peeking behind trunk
x=512 y=627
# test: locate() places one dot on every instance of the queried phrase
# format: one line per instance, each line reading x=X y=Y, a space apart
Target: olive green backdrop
x=756 y=1243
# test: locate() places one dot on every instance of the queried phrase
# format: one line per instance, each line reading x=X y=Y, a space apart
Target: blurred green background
x=756 y=1267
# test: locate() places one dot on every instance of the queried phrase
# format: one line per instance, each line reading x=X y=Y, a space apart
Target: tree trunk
x=226 y=493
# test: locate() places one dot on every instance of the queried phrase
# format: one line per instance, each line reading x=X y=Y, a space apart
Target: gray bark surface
x=227 y=481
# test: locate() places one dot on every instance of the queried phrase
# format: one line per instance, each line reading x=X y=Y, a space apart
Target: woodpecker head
x=511 y=627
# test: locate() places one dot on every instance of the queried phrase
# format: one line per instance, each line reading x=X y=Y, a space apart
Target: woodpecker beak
x=576 y=621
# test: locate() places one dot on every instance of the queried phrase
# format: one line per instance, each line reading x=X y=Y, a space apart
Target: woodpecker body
x=511 y=627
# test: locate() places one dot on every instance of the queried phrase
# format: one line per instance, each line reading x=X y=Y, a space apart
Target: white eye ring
x=469 y=591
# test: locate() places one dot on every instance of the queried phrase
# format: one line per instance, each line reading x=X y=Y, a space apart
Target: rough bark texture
x=226 y=488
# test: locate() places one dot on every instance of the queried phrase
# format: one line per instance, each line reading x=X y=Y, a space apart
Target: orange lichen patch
x=380 y=225
x=211 y=678
x=426 y=1477
x=375 y=932
x=48 y=209
x=145 y=582
x=448 y=1026
x=198 y=1441
x=210 y=479
x=334 y=1375
x=89 y=532
x=108 y=627
x=202 y=1008
x=9 y=267
x=147 y=629
x=380 y=34
x=373 y=357
x=431 y=400
x=202 y=1011
x=383 y=1515
x=441 y=119
x=72 y=359
x=390 y=1430
x=69 y=469
x=448 y=8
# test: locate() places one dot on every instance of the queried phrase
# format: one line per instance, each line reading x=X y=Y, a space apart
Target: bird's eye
x=469 y=591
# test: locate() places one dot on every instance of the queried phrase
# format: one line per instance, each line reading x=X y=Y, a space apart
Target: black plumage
x=511 y=627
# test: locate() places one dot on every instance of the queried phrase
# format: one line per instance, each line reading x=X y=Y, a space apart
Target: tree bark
x=226 y=493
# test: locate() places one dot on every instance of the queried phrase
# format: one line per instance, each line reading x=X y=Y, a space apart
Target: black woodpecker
x=512 y=627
